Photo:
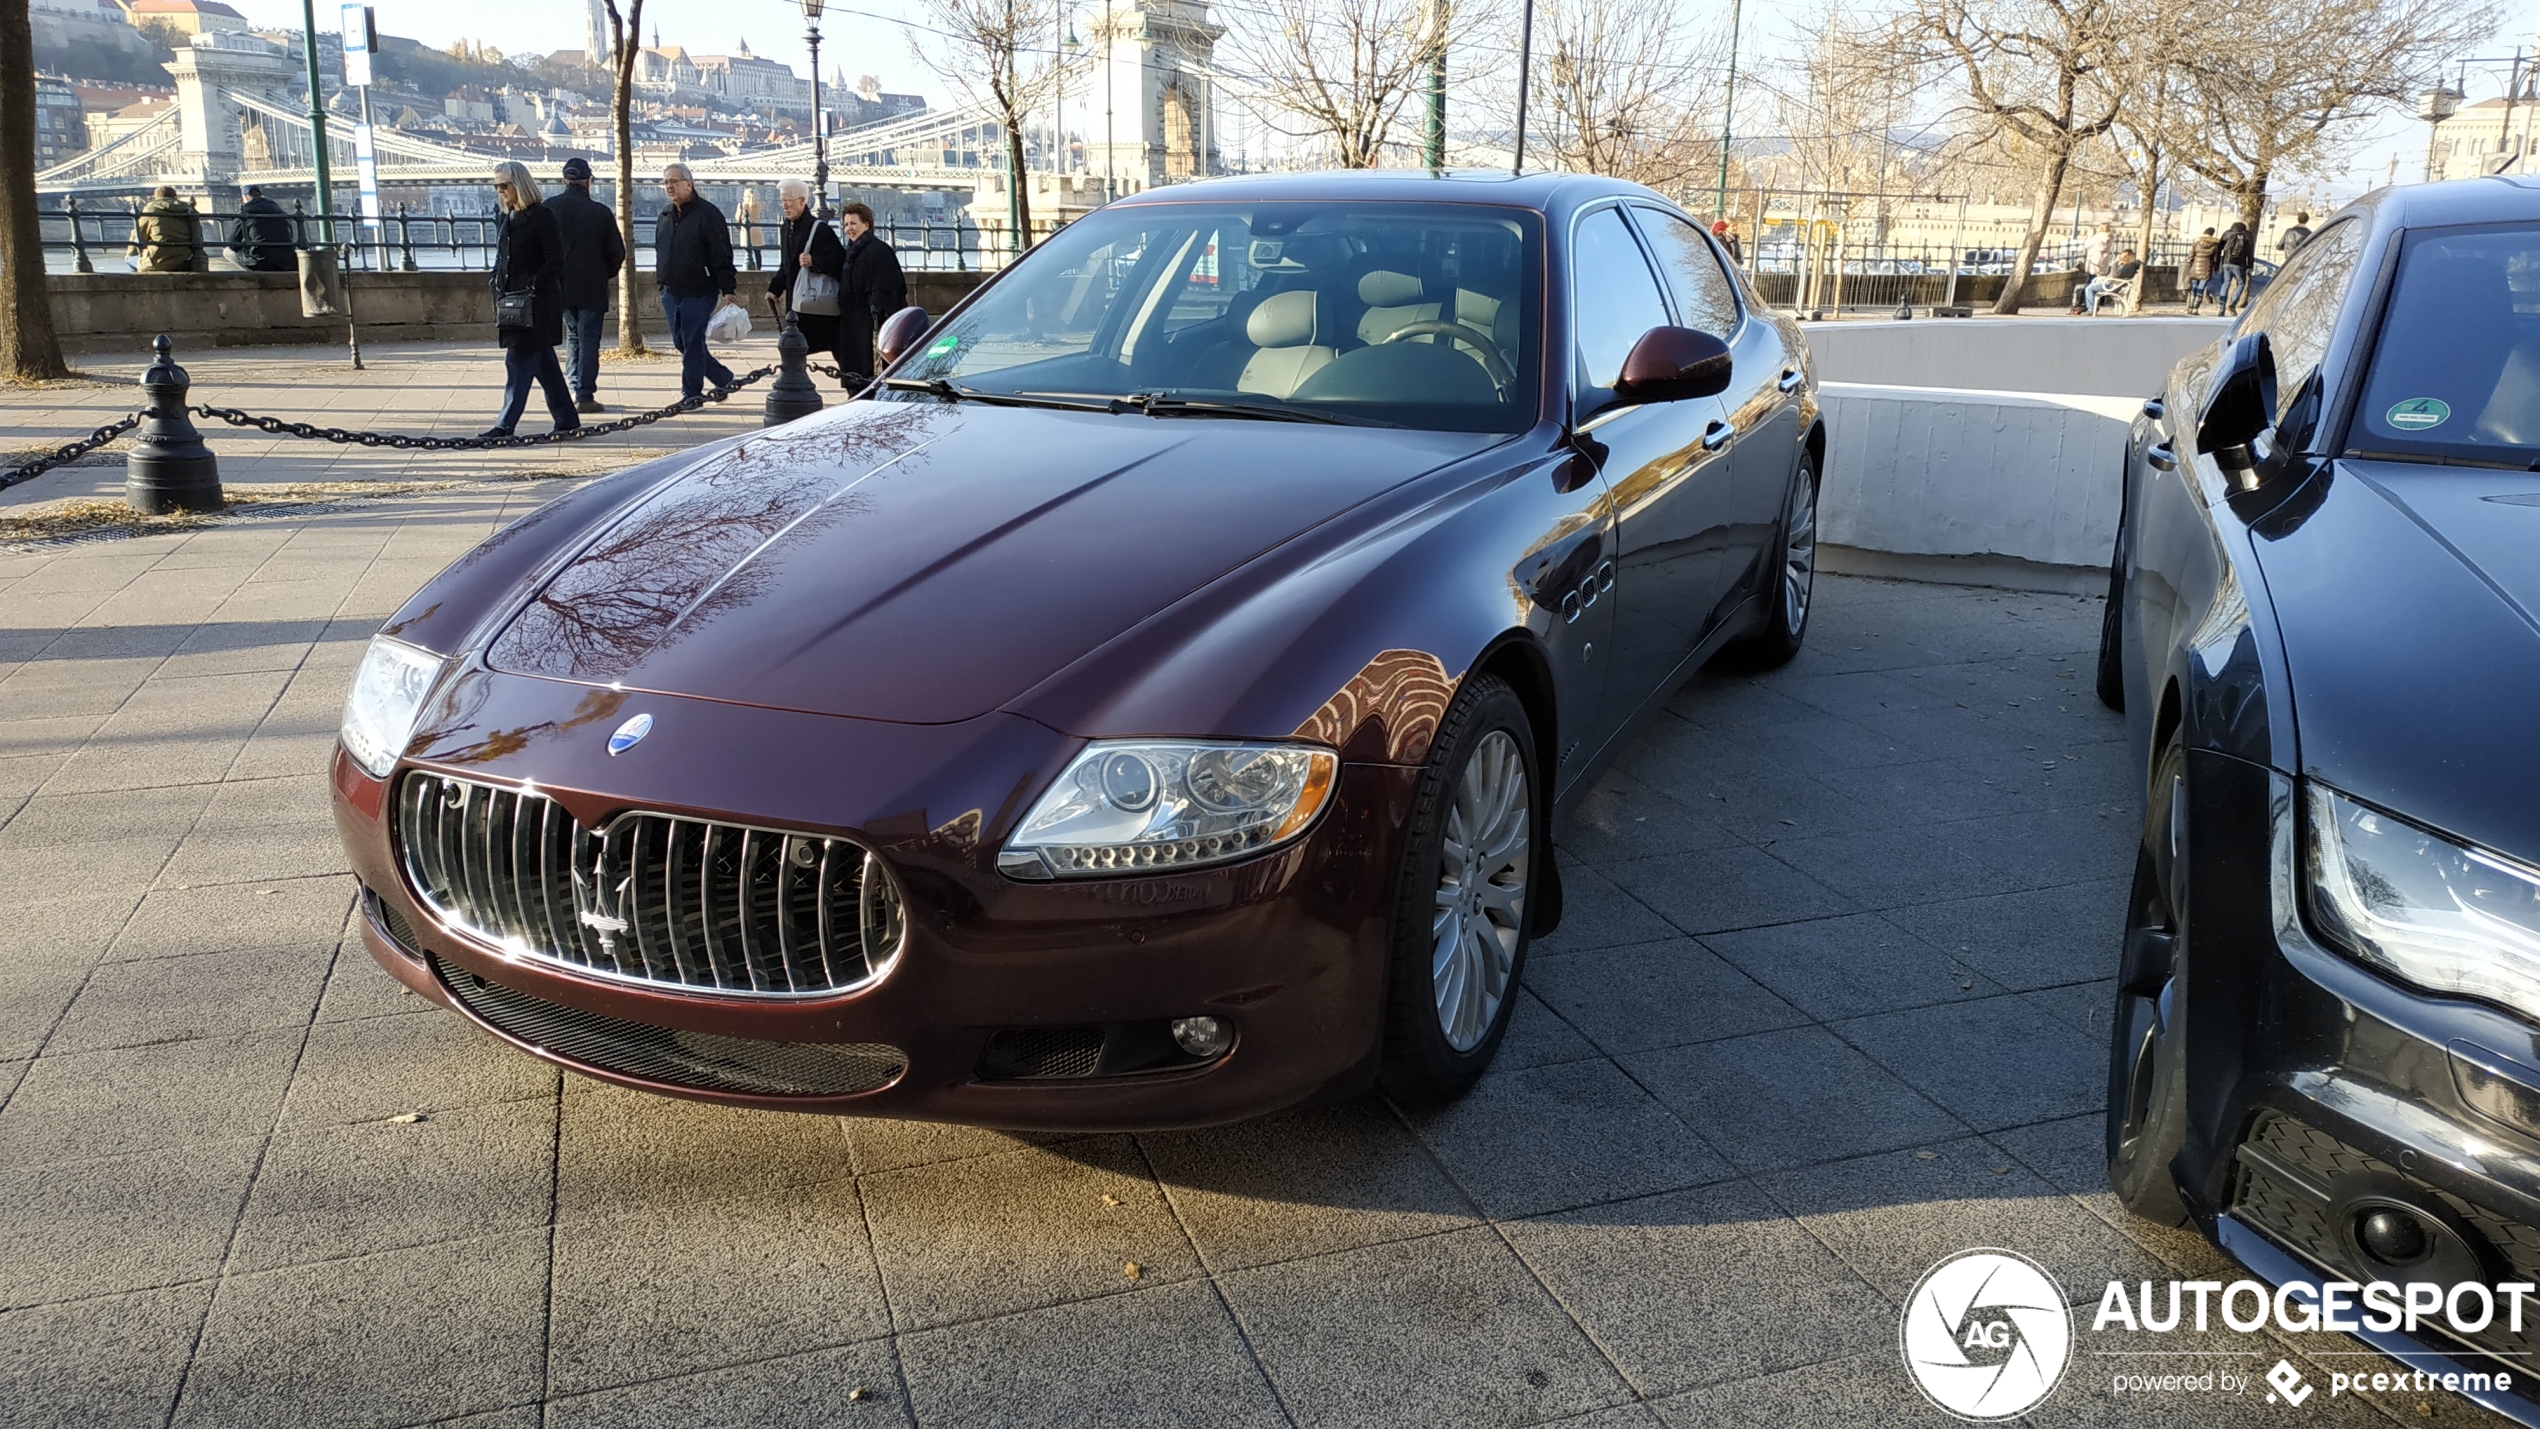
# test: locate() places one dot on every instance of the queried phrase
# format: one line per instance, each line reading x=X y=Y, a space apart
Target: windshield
x=2456 y=377
x=1416 y=315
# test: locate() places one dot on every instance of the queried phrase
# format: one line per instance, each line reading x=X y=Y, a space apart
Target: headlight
x=1147 y=806
x=387 y=696
x=2442 y=916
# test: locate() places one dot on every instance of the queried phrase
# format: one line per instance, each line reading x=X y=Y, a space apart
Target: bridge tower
x=214 y=61
x=1154 y=94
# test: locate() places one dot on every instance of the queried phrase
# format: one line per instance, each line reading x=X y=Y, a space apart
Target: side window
x=1703 y=293
x=2299 y=309
x=1614 y=296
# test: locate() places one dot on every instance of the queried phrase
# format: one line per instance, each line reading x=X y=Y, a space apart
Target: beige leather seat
x=1393 y=302
x=1283 y=327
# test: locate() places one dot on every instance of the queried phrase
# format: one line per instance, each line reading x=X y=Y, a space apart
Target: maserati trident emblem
x=630 y=734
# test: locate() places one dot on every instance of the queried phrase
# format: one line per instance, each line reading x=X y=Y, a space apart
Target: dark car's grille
x=682 y=903
x=1034 y=1052
x=2291 y=1211
x=703 y=1060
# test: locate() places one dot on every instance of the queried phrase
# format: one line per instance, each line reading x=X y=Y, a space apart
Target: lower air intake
x=703 y=1061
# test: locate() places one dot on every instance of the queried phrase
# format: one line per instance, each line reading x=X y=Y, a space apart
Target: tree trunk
x=2041 y=213
x=630 y=323
x=29 y=351
x=2249 y=196
x=1022 y=189
x=2143 y=232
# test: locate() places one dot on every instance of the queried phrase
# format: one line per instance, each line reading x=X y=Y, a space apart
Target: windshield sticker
x=2419 y=413
x=943 y=345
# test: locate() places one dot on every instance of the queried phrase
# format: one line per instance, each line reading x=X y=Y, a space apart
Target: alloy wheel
x=1799 y=552
x=1480 y=904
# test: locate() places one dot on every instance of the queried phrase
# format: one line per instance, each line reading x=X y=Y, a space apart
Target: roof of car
x=2498 y=198
x=1531 y=190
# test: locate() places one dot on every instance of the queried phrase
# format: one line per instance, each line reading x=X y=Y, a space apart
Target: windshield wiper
x=952 y=391
x=1161 y=404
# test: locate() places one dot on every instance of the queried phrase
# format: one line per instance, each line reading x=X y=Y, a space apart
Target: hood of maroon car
x=925 y=562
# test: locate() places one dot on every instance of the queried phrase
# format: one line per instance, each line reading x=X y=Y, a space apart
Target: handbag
x=513 y=313
x=815 y=294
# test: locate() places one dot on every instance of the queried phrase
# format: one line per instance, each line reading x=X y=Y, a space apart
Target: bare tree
x=2279 y=88
x=29 y=351
x=2045 y=72
x=1003 y=56
x=1339 y=71
x=625 y=39
x=1621 y=87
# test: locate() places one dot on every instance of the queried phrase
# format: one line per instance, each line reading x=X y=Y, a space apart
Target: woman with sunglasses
x=529 y=301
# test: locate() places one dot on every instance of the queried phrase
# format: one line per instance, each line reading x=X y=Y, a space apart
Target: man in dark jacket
x=593 y=253
x=873 y=290
x=692 y=261
x=2232 y=253
x=260 y=237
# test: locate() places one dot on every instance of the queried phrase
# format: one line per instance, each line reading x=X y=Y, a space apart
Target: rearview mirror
x=900 y=332
x=2240 y=406
x=1671 y=364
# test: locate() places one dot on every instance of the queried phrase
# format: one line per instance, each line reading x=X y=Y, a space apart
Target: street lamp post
x=317 y=125
x=819 y=124
x=1728 y=116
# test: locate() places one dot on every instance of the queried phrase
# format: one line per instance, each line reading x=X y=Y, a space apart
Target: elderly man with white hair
x=809 y=246
x=692 y=263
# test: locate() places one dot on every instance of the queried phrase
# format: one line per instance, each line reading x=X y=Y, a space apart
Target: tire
x=1793 y=595
x=1460 y=921
x=2112 y=635
x=2147 y=1070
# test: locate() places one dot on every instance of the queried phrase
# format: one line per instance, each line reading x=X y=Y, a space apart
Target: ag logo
x=1986 y=1334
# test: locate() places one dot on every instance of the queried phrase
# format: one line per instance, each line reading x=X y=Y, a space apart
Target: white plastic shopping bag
x=729 y=325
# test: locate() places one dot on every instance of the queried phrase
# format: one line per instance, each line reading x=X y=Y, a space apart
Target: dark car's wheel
x=2147 y=1079
x=1468 y=871
x=2112 y=635
x=1794 y=585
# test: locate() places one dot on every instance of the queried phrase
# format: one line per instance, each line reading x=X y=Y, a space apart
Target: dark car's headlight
x=386 y=698
x=2431 y=912
x=1150 y=806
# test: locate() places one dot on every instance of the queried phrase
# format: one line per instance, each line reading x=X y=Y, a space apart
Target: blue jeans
x=687 y=318
x=524 y=363
x=582 y=349
x=2229 y=285
x=2091 y=294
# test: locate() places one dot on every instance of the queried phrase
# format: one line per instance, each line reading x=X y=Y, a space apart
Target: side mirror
x=900 y=332
x=1671 y=364
x=2240 y=407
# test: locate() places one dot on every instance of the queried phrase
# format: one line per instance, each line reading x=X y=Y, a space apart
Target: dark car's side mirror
x=900 y=332
x=2240 y=406
x=1672 y=364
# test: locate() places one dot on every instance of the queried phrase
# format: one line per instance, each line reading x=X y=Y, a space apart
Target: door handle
x=2159 y=457
x=1791 y=379
x=1717 y=436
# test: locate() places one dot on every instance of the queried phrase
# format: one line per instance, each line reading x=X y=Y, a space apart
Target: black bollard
x=1904 y=312
x=792 y=394
x=169 y=468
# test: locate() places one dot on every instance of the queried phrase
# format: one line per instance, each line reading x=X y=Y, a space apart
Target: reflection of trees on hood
x=692 y=551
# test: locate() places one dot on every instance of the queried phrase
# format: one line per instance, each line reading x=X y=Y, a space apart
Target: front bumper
x=2315 y=1085
x=1290 y=947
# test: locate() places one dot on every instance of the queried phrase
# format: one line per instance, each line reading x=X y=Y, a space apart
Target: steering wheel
x=1486 y=351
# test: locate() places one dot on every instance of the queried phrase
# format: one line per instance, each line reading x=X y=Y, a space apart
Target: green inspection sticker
x=948 y=342
x=2419 y=413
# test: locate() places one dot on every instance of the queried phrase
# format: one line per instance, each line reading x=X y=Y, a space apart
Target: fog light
x=2392 y=1237
x=1203 y=1036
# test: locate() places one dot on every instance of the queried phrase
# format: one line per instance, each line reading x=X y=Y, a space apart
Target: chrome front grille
x=650 y=898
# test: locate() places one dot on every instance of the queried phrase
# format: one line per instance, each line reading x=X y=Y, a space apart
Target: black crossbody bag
x=512 y=311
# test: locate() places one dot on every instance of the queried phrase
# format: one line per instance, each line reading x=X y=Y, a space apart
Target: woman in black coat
x=529 y=259
x=809 y=246
x=874 y=290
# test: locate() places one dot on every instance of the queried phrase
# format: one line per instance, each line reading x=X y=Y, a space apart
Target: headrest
x=1286 y=320
x=1384 y=289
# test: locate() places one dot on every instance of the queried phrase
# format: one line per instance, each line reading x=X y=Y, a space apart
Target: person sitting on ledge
x=2128 y=269
x=166 y=234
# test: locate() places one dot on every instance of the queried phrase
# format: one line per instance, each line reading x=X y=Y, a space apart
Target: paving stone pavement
x=1829 y=1004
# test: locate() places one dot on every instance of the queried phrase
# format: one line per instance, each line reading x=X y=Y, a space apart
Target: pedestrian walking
x=1726 y=232
x=166 y=234
x=593 y=254
x=692 y=262
x=528 y=300
x=260 y=237
x=2199 y=272
x=2232 y=253
x=875 y=289
x=807 y=246
x=2296 y=236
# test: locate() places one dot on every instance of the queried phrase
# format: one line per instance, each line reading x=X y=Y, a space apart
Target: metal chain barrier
x=73 y=452
x=276 y=426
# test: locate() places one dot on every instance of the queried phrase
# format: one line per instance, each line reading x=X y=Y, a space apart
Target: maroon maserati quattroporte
x=1151 y=705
